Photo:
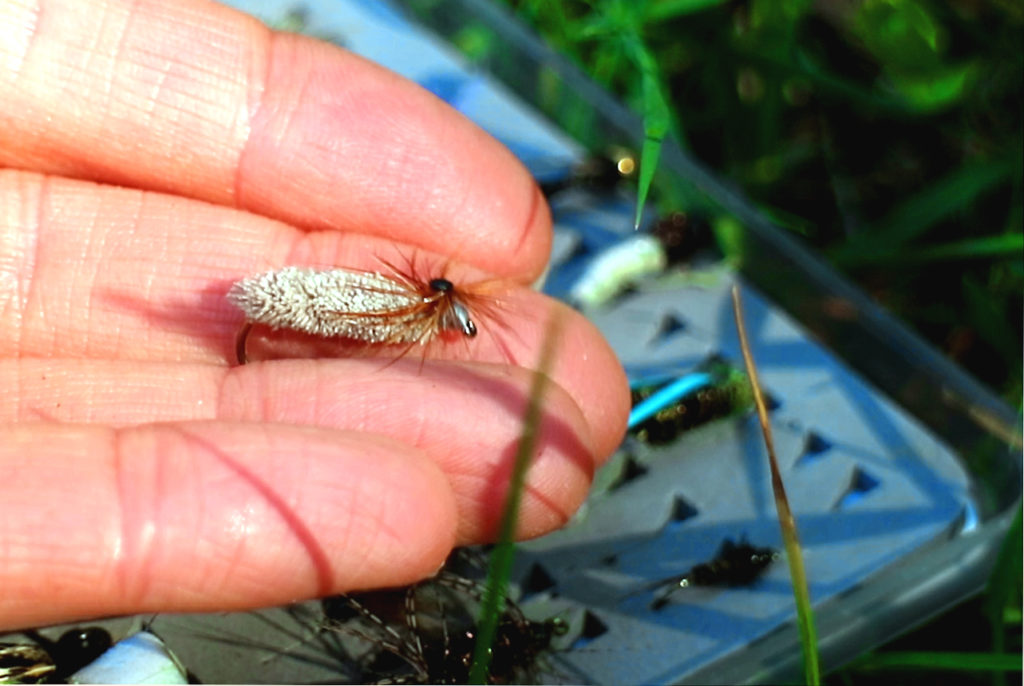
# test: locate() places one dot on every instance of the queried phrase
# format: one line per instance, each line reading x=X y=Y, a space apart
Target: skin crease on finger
x=472 y=439
x=201 y=515
x=278 y=124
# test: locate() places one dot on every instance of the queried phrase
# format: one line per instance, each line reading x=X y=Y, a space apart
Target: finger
x=582 y=363
x=150 y=284
x=210 y=515
x=195 y=99
x=465 y=417
x=113 y=272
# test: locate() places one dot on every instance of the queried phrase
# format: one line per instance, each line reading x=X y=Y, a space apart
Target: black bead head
x=441 y=286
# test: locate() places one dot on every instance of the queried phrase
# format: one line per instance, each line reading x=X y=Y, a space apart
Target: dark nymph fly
x=426 y=633
x=734 y=565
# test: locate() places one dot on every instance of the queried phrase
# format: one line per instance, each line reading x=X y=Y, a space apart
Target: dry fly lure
x=400 y=309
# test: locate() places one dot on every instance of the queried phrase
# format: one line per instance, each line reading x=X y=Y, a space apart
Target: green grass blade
x=954 y=192
x=657 y=119
x=1002 y=599
x=924 y=660
x=663 y=10
x=1005 y=245
x=981 y=248
x=985 y=313
x=649 y=153
x=787 y=523
x=914 y=217
x=1004 y=586
x=1012 y=616
x=500 y=567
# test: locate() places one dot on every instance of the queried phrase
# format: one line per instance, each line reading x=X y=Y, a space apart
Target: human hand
x=153 y=153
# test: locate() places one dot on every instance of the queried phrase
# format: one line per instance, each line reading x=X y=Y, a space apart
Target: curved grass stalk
x=797 y=573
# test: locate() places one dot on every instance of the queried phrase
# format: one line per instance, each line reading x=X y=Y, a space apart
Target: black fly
x=735 y=564
x=427 y=633
x=51 y=661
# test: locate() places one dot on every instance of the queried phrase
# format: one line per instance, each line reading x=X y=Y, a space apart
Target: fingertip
x=340 y=143
x=599 y=382
x=584 y=365
x=235 y=516
x=533 y=249
x=419 y=514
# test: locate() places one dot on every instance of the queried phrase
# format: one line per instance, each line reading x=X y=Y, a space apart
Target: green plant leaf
x=935 y=90
x=778 y=19
x=1004 y=586
x=731 y=238
x=662 y=10
x=982 y=248
x=657 y=119
x=950 y=194
x=986 y=247
x=961 y=662
x=901 y=34
x=915 y=216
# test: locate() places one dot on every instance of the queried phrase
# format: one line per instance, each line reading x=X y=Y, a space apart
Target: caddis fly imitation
x=397 y=309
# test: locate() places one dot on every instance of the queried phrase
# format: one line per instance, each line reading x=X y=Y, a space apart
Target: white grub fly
x=369 y=307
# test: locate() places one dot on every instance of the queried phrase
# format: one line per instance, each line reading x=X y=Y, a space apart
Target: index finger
x=203 y=101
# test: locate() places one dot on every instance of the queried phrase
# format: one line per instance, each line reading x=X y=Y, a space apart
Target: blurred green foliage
x=886 y=133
